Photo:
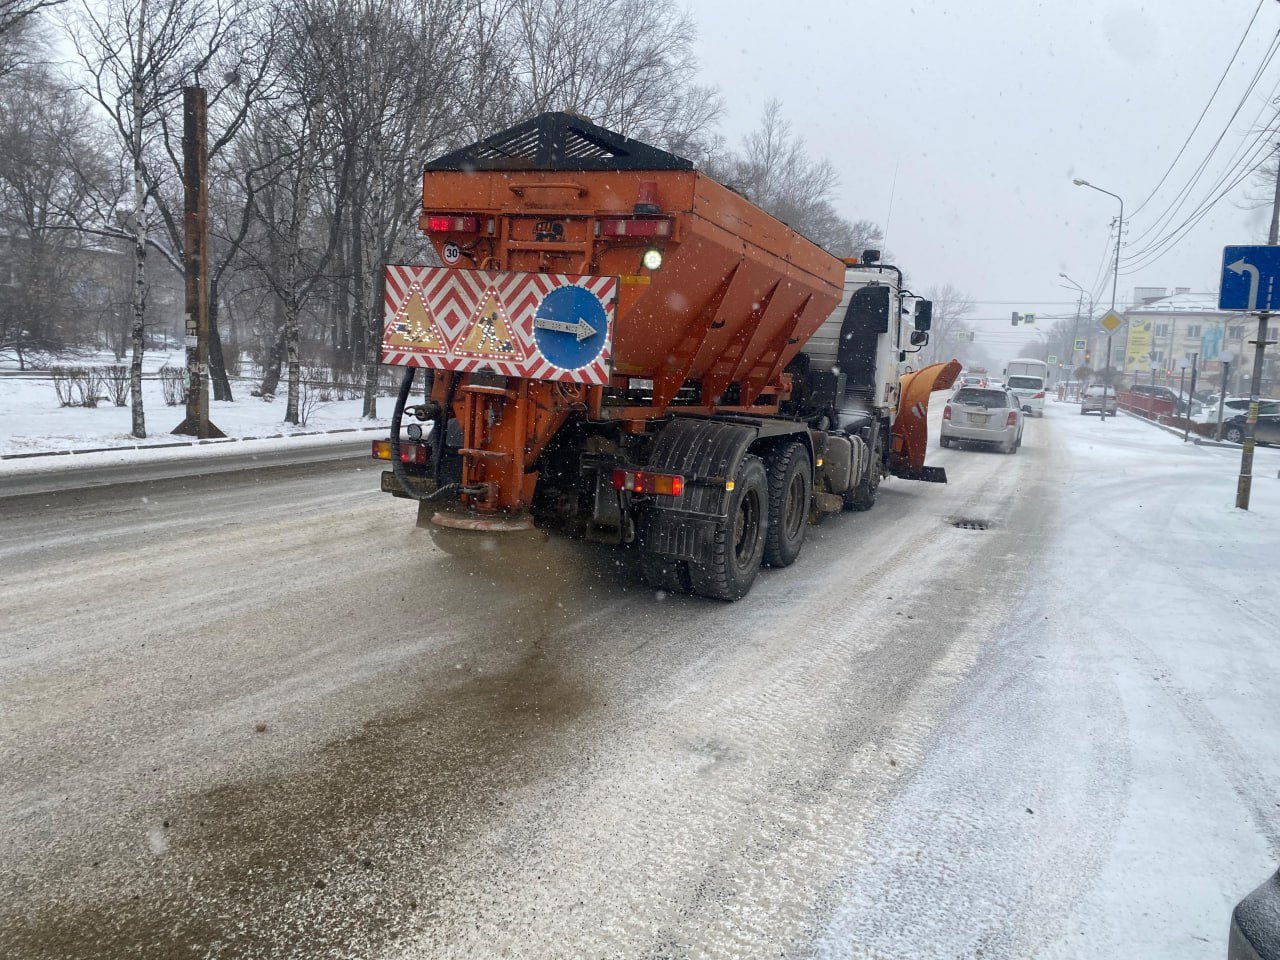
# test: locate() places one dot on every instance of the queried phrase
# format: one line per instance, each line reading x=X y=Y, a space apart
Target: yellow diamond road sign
x=1111 y=322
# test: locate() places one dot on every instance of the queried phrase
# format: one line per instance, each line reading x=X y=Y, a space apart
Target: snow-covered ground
x=32 y=421
x=1107 y=784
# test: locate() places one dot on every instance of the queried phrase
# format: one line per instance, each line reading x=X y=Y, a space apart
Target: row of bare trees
x=321 y=113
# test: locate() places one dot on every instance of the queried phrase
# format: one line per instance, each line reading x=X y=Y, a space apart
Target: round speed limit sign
x=451 y=253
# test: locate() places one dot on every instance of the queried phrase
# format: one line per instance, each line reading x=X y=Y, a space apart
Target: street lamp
x=1115 y=275
x=1226 y=356
x=1071 y=359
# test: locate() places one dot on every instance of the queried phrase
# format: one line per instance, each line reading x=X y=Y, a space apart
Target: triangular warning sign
x=414 y=326
x=490 y=334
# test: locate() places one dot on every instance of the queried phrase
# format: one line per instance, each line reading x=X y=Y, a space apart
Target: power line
x=1227 y=69
x=1153 y=253
x=1247 y=165
x=1180 y=199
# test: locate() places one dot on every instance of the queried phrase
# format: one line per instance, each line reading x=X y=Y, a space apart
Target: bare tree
x=777 y=172
x=626 y=64
x=950 y=334
x=20 y=42
x=46 y=142
x=137 y=60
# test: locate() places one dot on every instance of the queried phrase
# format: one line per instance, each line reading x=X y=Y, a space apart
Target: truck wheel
x=790 y=490
x=738 y=546
x=664 y=573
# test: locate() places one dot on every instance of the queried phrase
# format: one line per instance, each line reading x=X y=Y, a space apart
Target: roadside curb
x=186 y=443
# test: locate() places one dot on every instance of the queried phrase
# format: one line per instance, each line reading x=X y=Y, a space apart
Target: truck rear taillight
x=416 y=453
x=453 y=224
x=1012 y=421
x=1038 y=396
x=632 y=227
x=946 y=412
x=637 y=481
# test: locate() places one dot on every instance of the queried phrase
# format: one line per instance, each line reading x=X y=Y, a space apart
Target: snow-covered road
x=260 y=714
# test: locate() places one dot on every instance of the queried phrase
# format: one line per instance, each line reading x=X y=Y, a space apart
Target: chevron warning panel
x=515 y=324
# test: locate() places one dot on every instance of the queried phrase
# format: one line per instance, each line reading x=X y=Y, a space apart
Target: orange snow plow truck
x=618 y=347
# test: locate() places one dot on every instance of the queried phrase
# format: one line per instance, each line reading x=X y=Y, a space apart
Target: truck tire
x=738 y=545
x=790 y=490
x=664 y=573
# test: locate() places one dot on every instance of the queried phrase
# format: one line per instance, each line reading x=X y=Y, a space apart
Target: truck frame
x=621 y=348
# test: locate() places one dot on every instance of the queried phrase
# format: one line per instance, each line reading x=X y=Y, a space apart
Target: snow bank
x=31 y=420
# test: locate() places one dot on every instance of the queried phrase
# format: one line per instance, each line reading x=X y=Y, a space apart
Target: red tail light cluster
x=946 y=412
x=637 y=481
x=1039 y=396
x=1013 y=418
x=416 y=453
x=453 y=224
x=632 y=227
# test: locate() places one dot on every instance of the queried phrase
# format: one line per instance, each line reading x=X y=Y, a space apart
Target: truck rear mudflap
x=911 y=428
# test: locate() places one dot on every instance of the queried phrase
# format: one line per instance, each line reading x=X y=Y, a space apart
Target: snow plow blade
x=911 y=428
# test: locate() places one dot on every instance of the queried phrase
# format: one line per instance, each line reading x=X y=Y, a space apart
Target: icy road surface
x=259 y=714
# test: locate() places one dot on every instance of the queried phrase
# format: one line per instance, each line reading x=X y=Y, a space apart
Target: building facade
x=1166 y=332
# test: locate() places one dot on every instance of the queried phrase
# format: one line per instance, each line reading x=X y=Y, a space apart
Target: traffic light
x=970 y=336
x=1016 y=318
x=1087 y=356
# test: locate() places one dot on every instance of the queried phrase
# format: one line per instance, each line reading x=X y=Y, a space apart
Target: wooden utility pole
x=1244 y=485
x=195 y=150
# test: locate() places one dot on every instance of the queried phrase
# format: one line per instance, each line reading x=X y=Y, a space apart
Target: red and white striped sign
x=481 y=320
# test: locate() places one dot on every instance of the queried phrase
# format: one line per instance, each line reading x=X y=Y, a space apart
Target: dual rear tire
x=766 y=522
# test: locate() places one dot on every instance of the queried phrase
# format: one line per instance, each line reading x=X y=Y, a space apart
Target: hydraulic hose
x=397 y=465
x=438 y=436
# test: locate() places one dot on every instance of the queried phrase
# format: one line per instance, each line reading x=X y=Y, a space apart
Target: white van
x=1025 y=379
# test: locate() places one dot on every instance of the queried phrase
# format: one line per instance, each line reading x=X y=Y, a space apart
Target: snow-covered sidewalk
x=1108 y=783
x=32 y=421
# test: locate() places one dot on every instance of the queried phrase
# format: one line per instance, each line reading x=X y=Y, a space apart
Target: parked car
x=1181 y=402
x=1232 y=406
x=1030 y=393
x=1255 y=924
x=1095 y=396
x=1266 y=431
x=984 y=415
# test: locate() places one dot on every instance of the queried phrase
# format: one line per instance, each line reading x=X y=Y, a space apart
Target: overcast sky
x=988 y=109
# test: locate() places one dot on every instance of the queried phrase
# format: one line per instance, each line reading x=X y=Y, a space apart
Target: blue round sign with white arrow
x=570 y=327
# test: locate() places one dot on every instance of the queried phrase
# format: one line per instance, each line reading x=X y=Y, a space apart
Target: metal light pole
x=1115 y=279
x=1186 y=421
x=1226 y=357
x=1075 y=327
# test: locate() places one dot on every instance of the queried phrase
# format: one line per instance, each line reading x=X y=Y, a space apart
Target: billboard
x=1137 y=354
x=1211 y=343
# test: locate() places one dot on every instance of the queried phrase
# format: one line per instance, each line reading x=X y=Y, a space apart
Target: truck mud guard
x=911 y=428
x=707 y=454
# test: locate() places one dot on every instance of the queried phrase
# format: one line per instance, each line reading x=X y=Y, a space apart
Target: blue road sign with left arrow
x=1250 y=279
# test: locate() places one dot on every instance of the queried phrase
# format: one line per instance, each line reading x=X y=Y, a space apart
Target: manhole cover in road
x=967 y=523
